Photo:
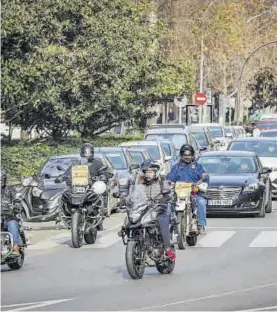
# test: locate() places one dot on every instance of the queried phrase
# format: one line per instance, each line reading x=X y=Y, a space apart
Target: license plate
x=221 y=202
x=80 y=189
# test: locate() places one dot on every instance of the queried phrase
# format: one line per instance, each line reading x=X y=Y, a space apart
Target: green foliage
x=24 y=159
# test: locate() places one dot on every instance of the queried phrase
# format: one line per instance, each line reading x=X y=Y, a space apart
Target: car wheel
x=268 y=208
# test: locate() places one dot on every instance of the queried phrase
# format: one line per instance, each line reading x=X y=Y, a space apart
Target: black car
x=123 y=162
x=266 y=149
x=238 y=183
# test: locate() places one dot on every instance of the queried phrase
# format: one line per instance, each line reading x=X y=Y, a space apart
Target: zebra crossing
x=260 y=238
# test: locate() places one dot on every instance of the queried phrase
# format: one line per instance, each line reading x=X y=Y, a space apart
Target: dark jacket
x=10 y=206
x=94 y=166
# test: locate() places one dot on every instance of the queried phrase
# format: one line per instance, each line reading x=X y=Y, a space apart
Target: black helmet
x=87 y=151
x=187 y=153
x=150 y=166
x=3 y=178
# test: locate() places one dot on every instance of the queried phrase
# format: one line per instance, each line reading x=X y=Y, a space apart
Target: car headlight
x=124 y=181
x=36 y=192
x=251 y=187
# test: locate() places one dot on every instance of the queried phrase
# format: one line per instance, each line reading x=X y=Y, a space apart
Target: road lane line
x=265 y=239
x=215 y=239
x=35 y=305
x=149 y=308
x=258 y=309
x=243 y=227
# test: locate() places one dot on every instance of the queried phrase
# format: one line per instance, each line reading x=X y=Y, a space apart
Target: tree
x=81 y=65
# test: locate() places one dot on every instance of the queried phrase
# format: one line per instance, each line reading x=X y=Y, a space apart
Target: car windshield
x=201 y=138
x=177 y=139
x=217 y=131
x=117 y=159
x=153 y=150
x=228 y=164
x=137 y=157
x=267 y=125
x=269 y=134
x=261 y=148
x=51 y=166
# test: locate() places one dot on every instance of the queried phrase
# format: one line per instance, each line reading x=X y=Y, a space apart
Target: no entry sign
x=200 y=98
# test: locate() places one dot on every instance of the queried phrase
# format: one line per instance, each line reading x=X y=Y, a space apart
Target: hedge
x=25 y=158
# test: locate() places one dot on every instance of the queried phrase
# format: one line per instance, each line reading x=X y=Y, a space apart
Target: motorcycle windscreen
x=80 y=175
x=137 y=196
x=183 y=189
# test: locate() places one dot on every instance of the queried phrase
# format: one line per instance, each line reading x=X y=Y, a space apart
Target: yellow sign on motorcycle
x=80 y=175
x=183 y=189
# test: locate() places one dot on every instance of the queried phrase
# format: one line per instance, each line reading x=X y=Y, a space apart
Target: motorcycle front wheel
x=181 y=230
x=135 y=259
x=76 y=229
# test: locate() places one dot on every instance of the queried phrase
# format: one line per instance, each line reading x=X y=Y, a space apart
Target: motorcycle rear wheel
x=135 y=267
x=76 y=229
x=167 y=266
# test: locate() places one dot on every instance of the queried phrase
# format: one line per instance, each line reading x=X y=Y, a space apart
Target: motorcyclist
x=189 y=171
x=153 y=187
x=10 y=209
x=87 y=158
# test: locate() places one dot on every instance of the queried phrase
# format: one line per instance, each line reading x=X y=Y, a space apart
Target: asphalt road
x=233 y=268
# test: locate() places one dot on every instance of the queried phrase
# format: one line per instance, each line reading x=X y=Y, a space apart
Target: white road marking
x=205 y=297
x=243 y=227
x=215 y=239
x=265 y=239
x=35 y=305
x=258 y=309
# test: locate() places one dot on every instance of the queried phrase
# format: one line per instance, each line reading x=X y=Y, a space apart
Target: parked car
x=139 y=155
x=124 y=164
x=239 y=184
x=205 y=138
x=41 y=195
x=266 y=149
x=269 y=133
x=170 y=150
x=155 y=150
x=177 y=134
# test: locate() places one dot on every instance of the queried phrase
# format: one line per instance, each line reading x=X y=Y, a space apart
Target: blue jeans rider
x=9 y=210
x=189 y=171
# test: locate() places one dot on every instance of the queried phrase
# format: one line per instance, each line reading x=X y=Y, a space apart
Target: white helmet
x=99 y=187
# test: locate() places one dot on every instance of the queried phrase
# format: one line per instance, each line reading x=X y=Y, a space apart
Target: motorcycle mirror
x=110 y=175
x=103 y=168
x=166 y=192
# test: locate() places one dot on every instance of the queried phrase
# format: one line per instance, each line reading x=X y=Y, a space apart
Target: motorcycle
x=39 y=204
x=186 y=212
x=82 y=208
x=14 y=262
x=142 y=236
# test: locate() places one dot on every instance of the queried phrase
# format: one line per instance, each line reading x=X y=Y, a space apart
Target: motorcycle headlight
x=251 y=187
x=36 y=192
x=124 y=181
x=26 y=181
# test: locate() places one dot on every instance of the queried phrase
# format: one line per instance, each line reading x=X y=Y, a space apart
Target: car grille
x=222 y=193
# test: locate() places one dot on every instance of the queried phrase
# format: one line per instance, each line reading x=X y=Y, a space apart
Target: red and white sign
x=200 y=98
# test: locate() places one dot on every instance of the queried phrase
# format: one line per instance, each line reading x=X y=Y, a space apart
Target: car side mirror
x=266 y=170
x=60 y=168
x=203 y=148
x=47 y=176
x=167 y=158
x=216 y=141
x=135 y=166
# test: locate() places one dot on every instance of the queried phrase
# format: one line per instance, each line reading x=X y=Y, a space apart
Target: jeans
x=13 y=228
x=201 y=210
